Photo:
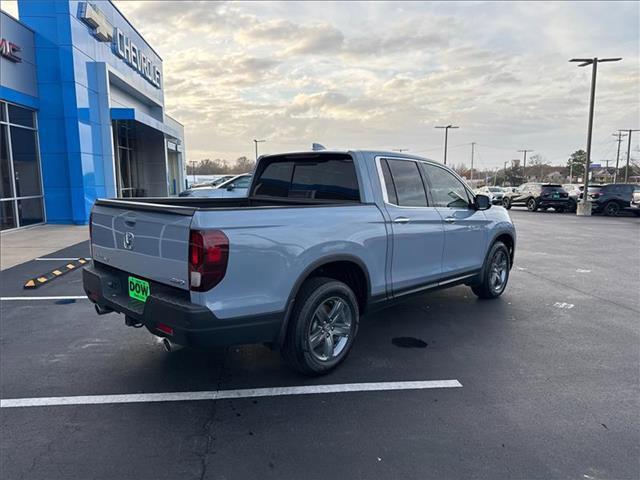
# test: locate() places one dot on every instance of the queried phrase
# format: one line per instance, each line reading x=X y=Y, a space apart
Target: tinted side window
x=388 y=183
x=446 y=190
x=408 y=183
x=330 y=179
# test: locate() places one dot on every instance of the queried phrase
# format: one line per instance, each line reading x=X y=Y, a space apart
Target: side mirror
x=230 y=187
x=482 y=202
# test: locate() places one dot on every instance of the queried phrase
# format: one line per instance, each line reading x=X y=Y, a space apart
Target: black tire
x=297 y=349
x=486 y=289
x=559 y=209
x=611 y=209
x=532 y=205
x=573 y=206
x=506 y=203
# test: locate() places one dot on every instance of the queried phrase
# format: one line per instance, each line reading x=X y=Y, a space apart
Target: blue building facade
x=94 y=90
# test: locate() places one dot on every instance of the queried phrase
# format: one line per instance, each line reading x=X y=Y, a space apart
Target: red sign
x=10 y=50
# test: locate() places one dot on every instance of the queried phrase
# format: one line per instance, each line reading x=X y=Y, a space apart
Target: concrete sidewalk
x=19 y=246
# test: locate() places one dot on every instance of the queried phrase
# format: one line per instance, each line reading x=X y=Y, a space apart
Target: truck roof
x=366 y=153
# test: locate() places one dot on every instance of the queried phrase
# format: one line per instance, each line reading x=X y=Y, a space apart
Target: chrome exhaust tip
x=169 y=346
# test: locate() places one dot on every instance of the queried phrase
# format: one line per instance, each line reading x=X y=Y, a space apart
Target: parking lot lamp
x=584 y=207
x=446 y=137
x=256 y=142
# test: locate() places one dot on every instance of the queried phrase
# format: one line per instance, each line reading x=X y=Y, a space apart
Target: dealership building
x=81 y=113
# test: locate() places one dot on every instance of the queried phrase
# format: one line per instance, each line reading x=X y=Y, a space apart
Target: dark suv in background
x=613 y=198
x=542 y=196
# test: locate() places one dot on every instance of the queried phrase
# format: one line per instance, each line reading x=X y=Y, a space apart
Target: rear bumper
x=192 y=324
x=563 y=202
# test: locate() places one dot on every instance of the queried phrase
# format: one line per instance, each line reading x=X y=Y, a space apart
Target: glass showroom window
x=20 y=178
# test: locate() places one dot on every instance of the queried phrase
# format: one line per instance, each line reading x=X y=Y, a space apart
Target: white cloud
x=373 y=74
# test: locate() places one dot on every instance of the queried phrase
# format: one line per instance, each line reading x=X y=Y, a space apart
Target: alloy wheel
x=330 y=328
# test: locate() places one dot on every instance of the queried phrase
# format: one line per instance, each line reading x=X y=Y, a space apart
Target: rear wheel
x=495 y=272
x=532 y=205
x=323 y=326
x=506 y=203
x=612 y=209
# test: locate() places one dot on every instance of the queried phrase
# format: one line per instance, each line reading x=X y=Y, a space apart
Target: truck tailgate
x=148 y=244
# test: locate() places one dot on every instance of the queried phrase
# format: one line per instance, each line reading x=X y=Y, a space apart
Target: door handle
x=401 y=220
x=450 y=220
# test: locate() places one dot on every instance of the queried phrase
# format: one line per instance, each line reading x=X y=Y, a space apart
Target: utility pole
x=524 y=164
x=193 y=169
x=571 y=171
x=620 y=135
x=446 y=137
x=256 y=143
x=584 y=207
x=473 y=146
x=626 y=170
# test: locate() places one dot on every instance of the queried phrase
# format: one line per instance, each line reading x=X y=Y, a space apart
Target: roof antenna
x=316 y=147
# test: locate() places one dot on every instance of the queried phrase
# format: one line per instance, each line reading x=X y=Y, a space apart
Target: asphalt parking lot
x=549 y=374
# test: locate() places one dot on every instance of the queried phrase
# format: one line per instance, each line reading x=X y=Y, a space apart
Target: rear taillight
x=208 y=258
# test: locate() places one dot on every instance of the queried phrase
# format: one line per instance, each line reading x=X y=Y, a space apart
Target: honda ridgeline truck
x=321 y=238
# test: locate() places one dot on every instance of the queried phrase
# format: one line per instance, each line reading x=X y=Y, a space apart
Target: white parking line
x=73 y=297
x=225 y=394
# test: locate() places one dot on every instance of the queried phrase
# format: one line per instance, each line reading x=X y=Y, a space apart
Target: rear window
x=315 y=178
x=552 y=188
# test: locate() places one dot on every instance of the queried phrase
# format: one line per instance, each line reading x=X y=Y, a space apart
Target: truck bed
x=187 y=205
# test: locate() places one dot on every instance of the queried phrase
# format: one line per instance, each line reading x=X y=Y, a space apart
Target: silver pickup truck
x=322 y=238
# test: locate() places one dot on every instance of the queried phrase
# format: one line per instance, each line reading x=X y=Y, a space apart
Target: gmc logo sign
x=10 y=50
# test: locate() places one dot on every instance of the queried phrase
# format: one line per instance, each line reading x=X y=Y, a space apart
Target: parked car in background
x=541 y=196
x=635 y=202
x=509 y=193
x=321 y=238
x=594 y=192
x=496 y=194
x=234 y=187
x=614 y=198
x=575 y=193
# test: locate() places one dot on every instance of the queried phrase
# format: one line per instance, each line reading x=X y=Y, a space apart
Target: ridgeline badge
x=122 y=46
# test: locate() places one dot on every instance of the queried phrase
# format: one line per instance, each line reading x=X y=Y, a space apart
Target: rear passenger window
x=317 y=179
x=407 y=181
x=388 y=183
x=446 y=189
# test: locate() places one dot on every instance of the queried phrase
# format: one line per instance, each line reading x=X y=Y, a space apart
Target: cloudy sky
x=382 y=75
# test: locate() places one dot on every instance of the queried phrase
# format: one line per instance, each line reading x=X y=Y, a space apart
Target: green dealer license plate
x=139 y=289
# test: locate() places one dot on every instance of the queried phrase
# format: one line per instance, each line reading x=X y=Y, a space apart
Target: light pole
x=524 y=164
x=256 y=142
x=505 y=173
x=626 y=170
x=473 y=147
x=446 y=137
x=584 y=207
